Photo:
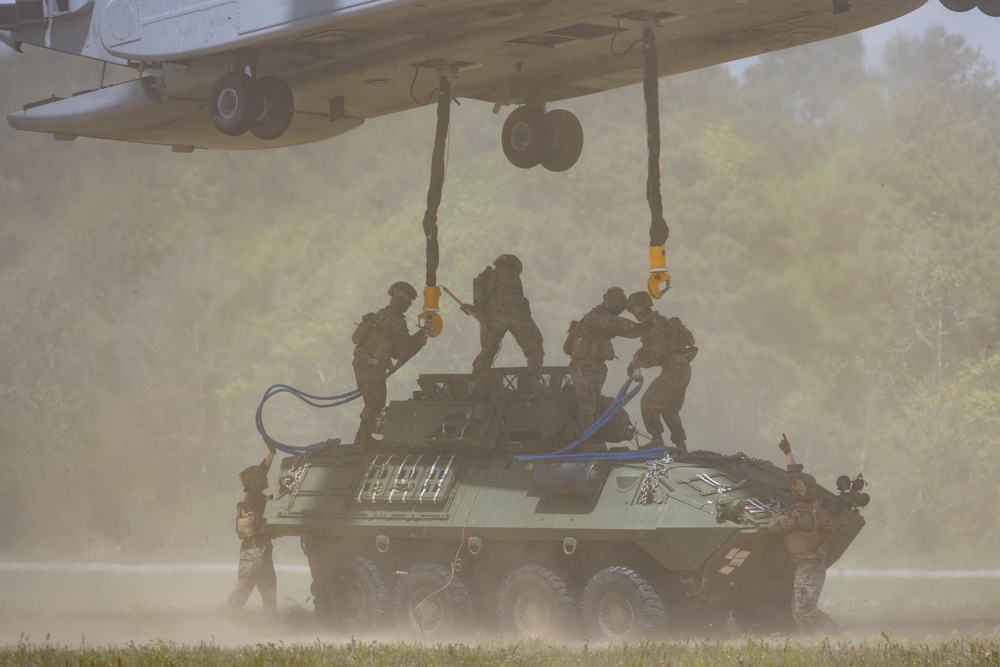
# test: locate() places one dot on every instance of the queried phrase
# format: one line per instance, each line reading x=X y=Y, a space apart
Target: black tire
x=990 y=7
x=619 y=604
x=353 y=597
x=959 y=5
x=764 y=615
x=277 y=109
x=566 y=140
x=431 y=604
x=534 y=601
x=235 y=103
x=526 y=139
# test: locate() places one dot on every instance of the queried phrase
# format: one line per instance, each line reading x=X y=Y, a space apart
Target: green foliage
x=886 y=653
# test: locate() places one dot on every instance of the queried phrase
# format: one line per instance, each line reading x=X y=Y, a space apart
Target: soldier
x=256 y=567
x=805 y=526
x=381 y=337
x=499 y=303
x=666 y=343
x=589 y=346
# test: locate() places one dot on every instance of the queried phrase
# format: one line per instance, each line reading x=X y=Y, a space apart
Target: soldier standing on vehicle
x=380 y=338
x=669 y=344
x=805 y=527
x=256 y=567
x=588 y=343
x=499 y=303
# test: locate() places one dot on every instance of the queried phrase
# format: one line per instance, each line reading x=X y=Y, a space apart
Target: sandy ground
x=181 y=605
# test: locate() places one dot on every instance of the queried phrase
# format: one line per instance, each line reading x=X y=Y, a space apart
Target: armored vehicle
x=461 y=520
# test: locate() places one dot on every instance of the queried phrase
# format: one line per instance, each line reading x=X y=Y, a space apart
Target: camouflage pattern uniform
x=666 y=343
x=810 y=525
x=373 y=361
x=590 y=347
x=256 y=568
x=500 y=305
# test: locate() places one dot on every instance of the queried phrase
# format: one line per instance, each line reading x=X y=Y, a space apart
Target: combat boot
x=681 y=446
x=364 y=441
x=657 y=440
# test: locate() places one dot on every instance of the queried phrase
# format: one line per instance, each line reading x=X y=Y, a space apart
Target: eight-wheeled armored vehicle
x=462 y=520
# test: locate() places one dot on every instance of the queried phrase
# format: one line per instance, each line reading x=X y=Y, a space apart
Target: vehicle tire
x=534 y=601
x=235 y=103
x=619 y=604
x=958 y=5
x=525 y=138
x=566 y=140
x=431 y=604
x=990 y=7
x=764 y=615
x=353 y=597
x=277 y=108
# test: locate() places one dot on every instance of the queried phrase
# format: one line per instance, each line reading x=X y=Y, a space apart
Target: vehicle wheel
x=431 y=604
x=959 y=5
x=277 y=109
x=525 y=137
x=620 y=605
x=990 y=7
x=535 y=602
x=764 y=615
x=566 y=140
x=235 y=103
x=353 y=597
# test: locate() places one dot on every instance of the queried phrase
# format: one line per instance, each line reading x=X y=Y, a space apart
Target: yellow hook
x=659 y=280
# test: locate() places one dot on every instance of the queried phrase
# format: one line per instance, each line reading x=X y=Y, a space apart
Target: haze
x=833 y=248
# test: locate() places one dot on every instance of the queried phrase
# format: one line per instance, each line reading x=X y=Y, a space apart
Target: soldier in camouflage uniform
x=666 y=343
x=805 y=527
x=589 y=346
x=499 y=304
x=382 y=337
x=256 y=567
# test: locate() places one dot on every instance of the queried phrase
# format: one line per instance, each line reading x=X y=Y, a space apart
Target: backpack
x=244 y=522
x=364 y=329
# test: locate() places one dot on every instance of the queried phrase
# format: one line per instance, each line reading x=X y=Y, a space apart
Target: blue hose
x=309 y=399
x=567 y=454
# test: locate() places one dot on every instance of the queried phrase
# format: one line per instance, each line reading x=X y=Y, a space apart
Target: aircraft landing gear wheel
x=567 y=140
x=277 y=109
x=958 y=5
x=525 y=138
x=534 y=602
x=620 y=605
x=354 y=597
x=235 y=103
x=990 y=7
x=432 y=605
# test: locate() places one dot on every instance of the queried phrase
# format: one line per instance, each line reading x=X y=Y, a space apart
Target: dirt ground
x=176 y=605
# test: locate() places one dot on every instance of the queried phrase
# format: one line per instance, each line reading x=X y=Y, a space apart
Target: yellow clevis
x=659 y=280
x=430 y=318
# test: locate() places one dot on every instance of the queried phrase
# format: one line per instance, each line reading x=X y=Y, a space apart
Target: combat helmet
x=638 y=302
x=804 y=486
x=510 y=260
x=615 y=300
x=253 y=479
x=403 y=290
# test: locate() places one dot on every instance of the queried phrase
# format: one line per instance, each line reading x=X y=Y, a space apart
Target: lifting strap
x=659 y=279
x=430 y=317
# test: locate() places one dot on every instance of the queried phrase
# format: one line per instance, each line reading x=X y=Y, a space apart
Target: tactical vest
x=804 y=541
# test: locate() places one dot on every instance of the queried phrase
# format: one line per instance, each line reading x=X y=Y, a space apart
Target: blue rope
x=308 y=399
x=567 y=454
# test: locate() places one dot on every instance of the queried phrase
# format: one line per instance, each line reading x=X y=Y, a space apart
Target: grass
x=788 y=653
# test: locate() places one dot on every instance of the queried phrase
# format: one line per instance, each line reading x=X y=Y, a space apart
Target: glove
x=784 y=445
x=632 y=370
x=270 y=446
x=468 y=309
